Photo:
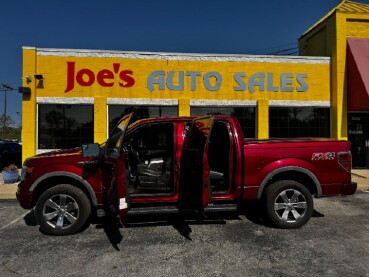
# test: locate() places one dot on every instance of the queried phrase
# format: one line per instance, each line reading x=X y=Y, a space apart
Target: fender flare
x=290 y=168
x=83 y=182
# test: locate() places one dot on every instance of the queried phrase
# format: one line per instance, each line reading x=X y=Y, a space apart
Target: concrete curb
x=7 y=191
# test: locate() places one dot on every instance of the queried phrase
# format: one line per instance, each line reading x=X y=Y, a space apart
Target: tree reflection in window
x=116 y=112
x=64 y=126
x=299 y=122
x=245 y=116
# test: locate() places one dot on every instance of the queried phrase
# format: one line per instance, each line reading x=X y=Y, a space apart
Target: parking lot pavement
x=335 y=242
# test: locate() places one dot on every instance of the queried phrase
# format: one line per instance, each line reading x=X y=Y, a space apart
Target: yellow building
x=72 y=96
x=343 y=35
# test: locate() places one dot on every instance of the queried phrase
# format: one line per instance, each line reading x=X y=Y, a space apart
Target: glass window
x=116 y=112
x=62 y=126
x=245 y=115
x=299 y=122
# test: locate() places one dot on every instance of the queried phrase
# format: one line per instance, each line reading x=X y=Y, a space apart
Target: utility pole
x=5 y=88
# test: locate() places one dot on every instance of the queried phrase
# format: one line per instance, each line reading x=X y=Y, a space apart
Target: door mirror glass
x=90 y=150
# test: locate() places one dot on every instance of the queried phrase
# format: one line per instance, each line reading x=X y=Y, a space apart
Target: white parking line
x=14 y=221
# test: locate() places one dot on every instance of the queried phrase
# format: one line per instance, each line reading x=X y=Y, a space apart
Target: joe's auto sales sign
x=121 y=76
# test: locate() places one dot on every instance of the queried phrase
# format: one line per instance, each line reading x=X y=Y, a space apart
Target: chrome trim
x=66 y=174
x=290 y=168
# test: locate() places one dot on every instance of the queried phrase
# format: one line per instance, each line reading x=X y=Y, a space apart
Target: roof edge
x=178 y=56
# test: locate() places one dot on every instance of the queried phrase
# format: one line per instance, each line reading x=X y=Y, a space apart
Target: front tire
x=62 y=210
x=289 y=205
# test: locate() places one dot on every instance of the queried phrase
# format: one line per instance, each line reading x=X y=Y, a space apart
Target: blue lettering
x=170 y=84
x=240 y=82
x=287 y=82
x=301 y=80
x=270 y=83
x=156 y=78
x=256 y=79
x=216 y=76
x=193 y=75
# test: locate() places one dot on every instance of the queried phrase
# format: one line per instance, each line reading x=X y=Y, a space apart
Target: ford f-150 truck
x=169 y=165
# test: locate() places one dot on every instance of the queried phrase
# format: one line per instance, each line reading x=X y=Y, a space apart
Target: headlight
x=26 y=171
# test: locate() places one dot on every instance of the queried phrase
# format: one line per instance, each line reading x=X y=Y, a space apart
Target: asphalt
x=360 y=176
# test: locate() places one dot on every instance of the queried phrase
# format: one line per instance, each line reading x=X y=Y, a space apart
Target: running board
x=221 y=208
x=153 y=210
x=176 y=210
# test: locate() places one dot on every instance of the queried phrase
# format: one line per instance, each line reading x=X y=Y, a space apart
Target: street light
x=5 y=88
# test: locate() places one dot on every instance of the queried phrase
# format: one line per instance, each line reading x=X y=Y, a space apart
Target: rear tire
x=62 y=210
x=289 y=205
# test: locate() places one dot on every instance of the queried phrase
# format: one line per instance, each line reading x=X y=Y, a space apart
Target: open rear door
x=194 y=173
x=114 y=160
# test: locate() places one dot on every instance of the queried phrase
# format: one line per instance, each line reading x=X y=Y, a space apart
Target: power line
x=271 y=48
x=285 y=51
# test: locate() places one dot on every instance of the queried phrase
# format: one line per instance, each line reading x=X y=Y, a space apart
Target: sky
x=188 y=26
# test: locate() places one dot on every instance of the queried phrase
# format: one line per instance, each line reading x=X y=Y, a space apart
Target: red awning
x=357 y=74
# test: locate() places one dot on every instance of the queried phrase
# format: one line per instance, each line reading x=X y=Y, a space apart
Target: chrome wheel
x=61 y=211
x=290 y=205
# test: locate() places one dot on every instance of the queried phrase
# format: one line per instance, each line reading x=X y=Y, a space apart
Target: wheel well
x=296 y=176
x=54 y=181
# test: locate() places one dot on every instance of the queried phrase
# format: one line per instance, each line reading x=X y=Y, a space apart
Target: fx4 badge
x=323 y=156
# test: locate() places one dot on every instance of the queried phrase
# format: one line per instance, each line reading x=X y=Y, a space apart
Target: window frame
x=39 y=122
x=255 y=127
x=299 y=128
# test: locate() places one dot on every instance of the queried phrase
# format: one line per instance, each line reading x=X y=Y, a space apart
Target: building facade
x=72 y=97
x=76 y=96
x=343 y=35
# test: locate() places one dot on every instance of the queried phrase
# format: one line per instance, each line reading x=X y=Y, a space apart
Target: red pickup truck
x=171 y=165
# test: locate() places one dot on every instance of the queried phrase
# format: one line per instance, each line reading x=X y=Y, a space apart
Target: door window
x=219 y=153
x=149 y=159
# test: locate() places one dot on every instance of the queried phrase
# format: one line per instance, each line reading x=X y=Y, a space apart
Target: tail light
x=345 y=160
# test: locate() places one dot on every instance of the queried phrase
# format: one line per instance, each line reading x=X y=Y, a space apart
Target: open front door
x=116 y=188
x=194 y=173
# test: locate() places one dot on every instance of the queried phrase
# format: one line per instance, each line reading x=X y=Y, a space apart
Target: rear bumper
x=349 y=189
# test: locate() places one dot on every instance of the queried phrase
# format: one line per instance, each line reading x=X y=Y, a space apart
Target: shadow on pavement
x=111 y=226
x=30 y=218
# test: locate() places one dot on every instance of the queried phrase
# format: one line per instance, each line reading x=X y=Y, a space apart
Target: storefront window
x=62 y=126
x=299 y=122
x=116 y=112
x=245 y=115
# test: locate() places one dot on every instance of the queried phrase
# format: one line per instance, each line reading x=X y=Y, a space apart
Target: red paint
x=357 y=74
x=105 y=78
x=253 y=165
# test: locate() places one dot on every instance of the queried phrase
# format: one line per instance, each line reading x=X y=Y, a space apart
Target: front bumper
x=24 y=197
x=349 y=189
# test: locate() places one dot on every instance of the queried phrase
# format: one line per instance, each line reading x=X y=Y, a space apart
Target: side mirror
x=90 y=150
